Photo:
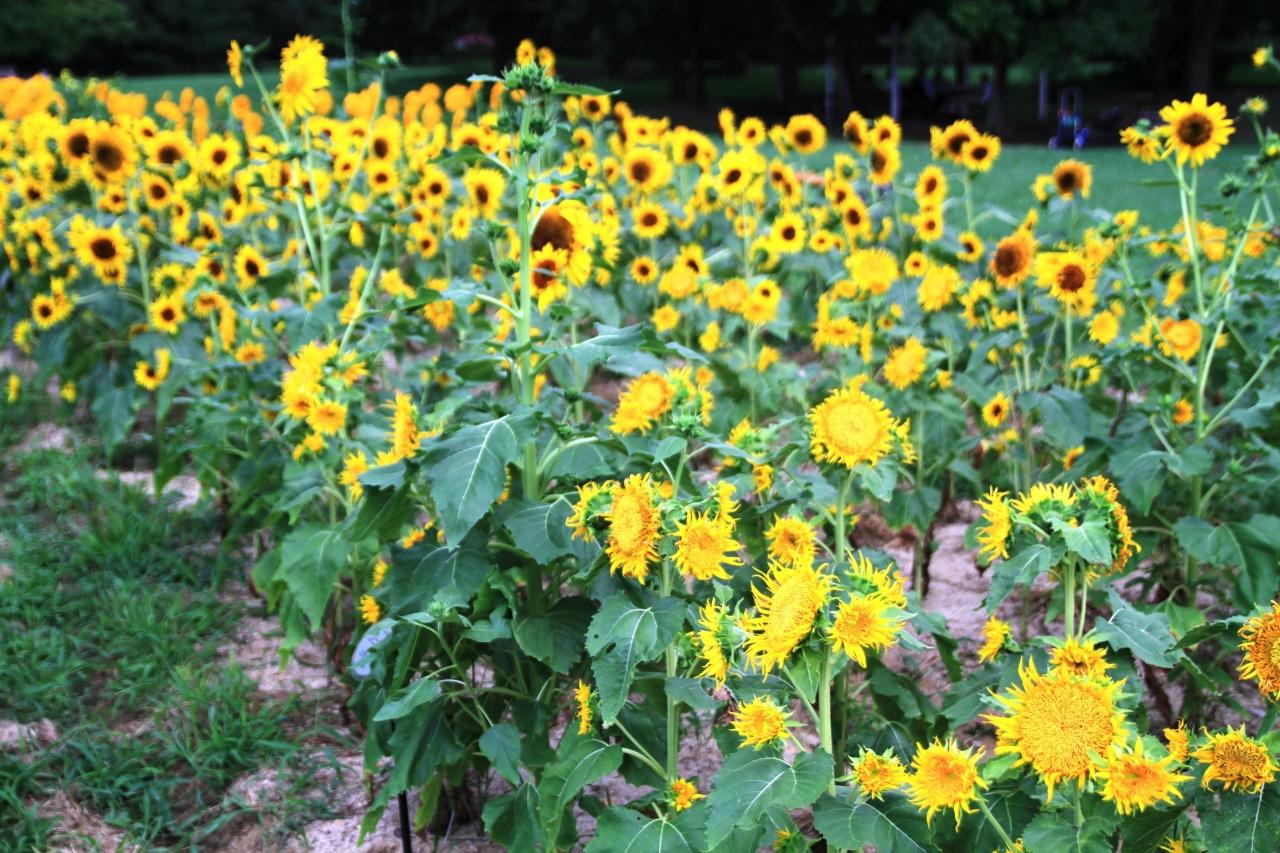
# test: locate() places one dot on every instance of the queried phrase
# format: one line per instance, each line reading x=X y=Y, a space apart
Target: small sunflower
x=943 y=776
x=1011 y=262
x=995 y=634
x=1196 y=130
x=633 y=528
x=1134 y=781
x=864 y=623
x=997 y=518
x=644 y=400
x=792 y=541
x=1180 y=338
x=787 y=605
x=905 y=363
x=877 y=772
x=684 y=794
x=760 y=722
x=1261 y=648
x=996 y=410
x=582 y=698
x=1236 y=760
x=1072 y=179
x=851 y=428
x=705 y=545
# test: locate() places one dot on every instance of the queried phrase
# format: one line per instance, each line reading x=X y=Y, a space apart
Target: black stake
x=406 y=843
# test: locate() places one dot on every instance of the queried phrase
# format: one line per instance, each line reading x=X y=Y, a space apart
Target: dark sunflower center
x=789 y=233
x=957 y=142
x=251 y=268
x=1067 y=181
x=381 y=148
x=640 y=171
x=167 y=314
x=103 y=248
x=732 y=176
x=1008 y=260
x=1195 y=130
x=804 y=137
x=158 y=192
x=482 y=194
x=78 y=145
x=219 y=156
x=931 y=186
x=553 y=228
x=1071 y=278
x=690 y=151
x=649 y=219
x=108 y=156
x=877 y=161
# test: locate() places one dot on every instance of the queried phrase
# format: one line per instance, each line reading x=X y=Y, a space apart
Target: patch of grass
x=110 y=626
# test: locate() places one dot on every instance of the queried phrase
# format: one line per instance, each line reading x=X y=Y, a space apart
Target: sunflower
x=787 y=606
x=1261 y=648
x=1178 y=741
x=1055 y=723
x=1104 y=327
x=167 y=313
x=788 y=233
x=873 y=270
x=931 y=186
x=1236 y=760
x=151 y=376
x=884 y=161
x=792 y=541
x=1080 y=657
x=710 y=642
x=877 y=772
x=112 y=154
x=566 y=226
x=851 y=428
x=736 y=172
x=937 y=288
x=856 y=132
x=995 y=634
x=1142 y=145
x=645 y=399
x=647 y=170
x=928 y=224
x=327 y=418
x=1134 y=781
x=405 y=437
x=235 y=61
x=705 y=545
x=107 y=250
x=582 y=697
x=1196 y=130
x=1070 y=278
x=971 y=247
x=484 y=188
x=993 y=536
x=649 y=220
x=943 y=776
x=980 y=152
x=806 y=133
x=905 y=363
x=370 y=612
x=1072 y=179
x=684 y=794
x=760 y=722
x=644 y=269
x=549 y=263
x=303 y=78
x=950 y=143
x=592 y=499
x=1011 y=262
x=633 y=528
x=250 y=266
x=75 y=139
x=1180 y=338
x=855 y=218
x=864 y=623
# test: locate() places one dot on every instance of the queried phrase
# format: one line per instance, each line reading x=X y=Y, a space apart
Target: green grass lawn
x=111 y=620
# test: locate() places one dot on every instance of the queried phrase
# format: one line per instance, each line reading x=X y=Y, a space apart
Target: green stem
x=824 y=715
x=999 y=828
x=673 y=710
x=842 y=500
x=1069 y=597
x=364 y=291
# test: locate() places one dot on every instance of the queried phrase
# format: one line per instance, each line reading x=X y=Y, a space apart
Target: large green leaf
x=1052 y=833
x=468 y=474
x=420 y=692
x=555 y=638
x=501 y=745
x=1146 y=831
x=893 y=825
x=622 y=635
x=539 y=529
x=587 y=761
x=114 y=410
x=444 y=577
x=512 y=819
x=1241 y=822
x=621 y=830
x=1088 y=539
x=311 y=558
x=751 y=782
x=1217 y=546
x=1019 y=570
x=1147 y=635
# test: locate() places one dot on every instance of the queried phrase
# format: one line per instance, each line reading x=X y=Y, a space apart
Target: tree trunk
x=1204 y=18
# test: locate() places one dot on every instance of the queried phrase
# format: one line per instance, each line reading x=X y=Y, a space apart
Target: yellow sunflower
x=943 y=776
x=633 y=528
x=791 y=541
x=1261 y=648
x=995 y=634
x=1056 y=723
x=1080 y=657
x=851 y=428
x=787 y=607
x=1180 y=338
x=993 y=536
x=1196 y=130
x=877 y=772
x=644 y=400
x=862 y=624
x=705 y=545
x=1072 y=179
x=1134 y=781
x=905 y=363
x=1236 y=760
x=806 y=133
x=167 y=313
x=1011 y=262
x=760 y=722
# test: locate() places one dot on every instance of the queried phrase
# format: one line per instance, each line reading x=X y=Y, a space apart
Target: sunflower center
x=956 y=143
x=103 y=248
x=219 y=156
x=380 y=148
x=1008 y=260
x=732 y=176
x=649 y=219
x=877 y=161
x=251 y=268
x=108 y=156
x=1239 y=759
x=78 y=145
x=853 y=426
x=641 y=171
x=804 y=137
x=1061 y=724
x=555 y=229
x=1071 y=278
x=1195 y=130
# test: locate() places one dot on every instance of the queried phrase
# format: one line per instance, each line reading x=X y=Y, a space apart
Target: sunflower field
x=578 y=436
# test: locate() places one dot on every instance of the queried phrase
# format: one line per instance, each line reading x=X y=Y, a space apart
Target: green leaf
x=750 y=782
x=1140 y=474
x=512 y=819
x=384 y=476
x=1240 y=822
x=311 y=558
x=1052 y=833
x=879 y=480
x=563 y=89
x=1019 y=570
x=1088 y=539
x=1209 y=630
x=690 y=692
x=623 y=635
x=1217 y=546
x=621 y=830
x=422 y=691
x=607 y=342
x=539 y=529
x=892 y=825
x=805 y=671
x=469 y=473
x=501 y=745
x=382 y=512
x=556 y=637
x=586 y=762
x=1147 y=635
x=444 y=577
x=114 y=411
x=1146 y=831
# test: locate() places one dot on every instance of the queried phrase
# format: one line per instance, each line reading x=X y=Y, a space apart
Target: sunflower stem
x=1069 y=598
x=673 y=711
x=999 y=828
x=824 y=716
x=842 y=500
x=1268 y=719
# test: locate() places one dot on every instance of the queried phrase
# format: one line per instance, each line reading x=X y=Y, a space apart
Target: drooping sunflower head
x=995 y=634
x=593 y=500
x=1104 y=497
x=944 y=776
x=715 y=640
x=1134 y=781
x=1196 y=130
x=886 y=583
x=997 y=525
x=787 y=605
x=1261 y=649
x=1056 y=723
x=1236 y=760
x=852 y=428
